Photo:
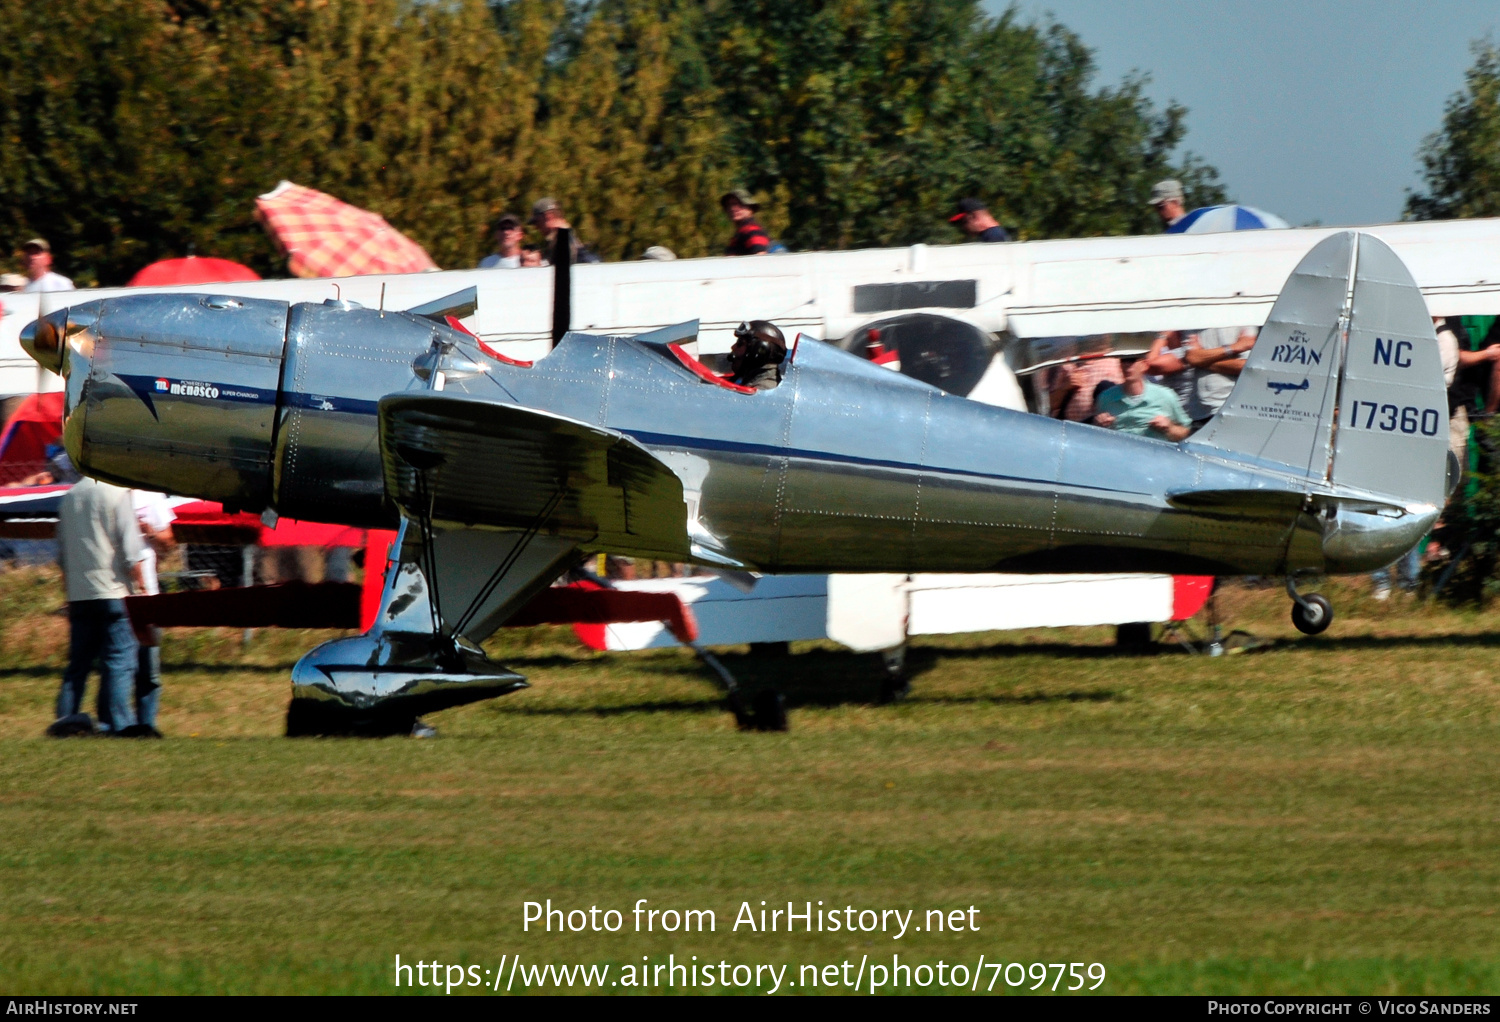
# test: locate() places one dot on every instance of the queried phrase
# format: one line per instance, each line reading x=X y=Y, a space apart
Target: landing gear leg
x=765 y=712
x=1312 y=613
x=895 y=685
x=1134 y=637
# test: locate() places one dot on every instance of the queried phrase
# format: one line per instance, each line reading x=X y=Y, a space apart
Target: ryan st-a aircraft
x=501 y=472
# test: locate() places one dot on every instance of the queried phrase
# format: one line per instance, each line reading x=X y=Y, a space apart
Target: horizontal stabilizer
x=1248 y=502
x=1282 y=503
x=471 y=463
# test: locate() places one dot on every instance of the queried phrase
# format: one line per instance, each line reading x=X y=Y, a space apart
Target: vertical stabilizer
x=1281 y=408
x=1392 y=433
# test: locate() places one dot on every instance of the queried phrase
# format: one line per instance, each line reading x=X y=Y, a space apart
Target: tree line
x=132 y=130
x=1461 y=160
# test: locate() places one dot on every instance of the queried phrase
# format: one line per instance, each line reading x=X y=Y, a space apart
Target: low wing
x=479 y=463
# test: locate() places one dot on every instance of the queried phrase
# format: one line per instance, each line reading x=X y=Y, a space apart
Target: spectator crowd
x=747 y=238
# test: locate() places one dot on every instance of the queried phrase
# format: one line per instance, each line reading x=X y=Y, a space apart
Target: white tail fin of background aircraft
x=1350 y=331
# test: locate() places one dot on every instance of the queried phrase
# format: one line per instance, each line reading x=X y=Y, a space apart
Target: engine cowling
x=170 y=392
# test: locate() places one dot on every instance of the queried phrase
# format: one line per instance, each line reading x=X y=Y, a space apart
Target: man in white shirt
x=39 y=273
x=1217 y=357
x=154 y=513
x=100 y=551
x=507 y=255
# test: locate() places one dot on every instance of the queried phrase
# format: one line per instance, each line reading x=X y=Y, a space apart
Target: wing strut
x=498 y=575
x=429 y=549
x=423 y=462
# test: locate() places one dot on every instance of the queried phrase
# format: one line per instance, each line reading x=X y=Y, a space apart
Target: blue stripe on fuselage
x=145 y=385
x=672 y=442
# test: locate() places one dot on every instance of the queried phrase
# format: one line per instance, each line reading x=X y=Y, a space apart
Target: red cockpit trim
x=491 y=352
x=704 y=373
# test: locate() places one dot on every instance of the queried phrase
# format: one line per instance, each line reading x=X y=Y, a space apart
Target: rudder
x=1392 y=434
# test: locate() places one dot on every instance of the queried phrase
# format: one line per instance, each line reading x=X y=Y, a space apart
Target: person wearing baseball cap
x=547 y=215
x=1167 y=197
x=507 y=231
x=38 y=256
x=749 y=237
x=973 y=217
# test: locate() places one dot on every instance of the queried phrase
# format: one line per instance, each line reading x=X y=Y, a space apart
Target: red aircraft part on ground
x=1189 y=594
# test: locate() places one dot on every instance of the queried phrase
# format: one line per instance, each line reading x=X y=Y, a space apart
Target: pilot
x=758 y=352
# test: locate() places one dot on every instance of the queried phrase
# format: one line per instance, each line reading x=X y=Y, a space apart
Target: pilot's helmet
x=763 y=340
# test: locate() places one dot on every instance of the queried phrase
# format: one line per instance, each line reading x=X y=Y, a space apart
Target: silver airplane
x=1331 y=455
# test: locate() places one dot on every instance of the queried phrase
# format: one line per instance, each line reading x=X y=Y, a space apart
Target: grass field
x=1317 y=816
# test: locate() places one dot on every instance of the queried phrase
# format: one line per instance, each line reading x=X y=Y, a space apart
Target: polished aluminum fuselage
x=844 y=467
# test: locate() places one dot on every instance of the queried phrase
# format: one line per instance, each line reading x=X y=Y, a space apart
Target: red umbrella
x=192 y=270
x=23 y=445
x=323 y=237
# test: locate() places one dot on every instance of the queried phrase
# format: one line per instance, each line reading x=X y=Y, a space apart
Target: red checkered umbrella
x=324 y=237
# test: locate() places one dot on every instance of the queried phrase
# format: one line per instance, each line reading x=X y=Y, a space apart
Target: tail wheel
x=1313 y=615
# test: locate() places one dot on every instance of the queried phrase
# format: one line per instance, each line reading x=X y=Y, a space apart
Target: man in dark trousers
x=749 y=237
x=100 y=550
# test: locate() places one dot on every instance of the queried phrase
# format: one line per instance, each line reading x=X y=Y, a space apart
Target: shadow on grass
x=1060 y=650
x=548 y=661
x=797 y=698
x=1353 y=643
x=1350 y=642
x=44 y=671
x=221 y=668
x=1027 y=698
x=709 y=704
x=818 y=678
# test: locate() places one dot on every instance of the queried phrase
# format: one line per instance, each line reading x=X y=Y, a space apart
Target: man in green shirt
x=1141 y=408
